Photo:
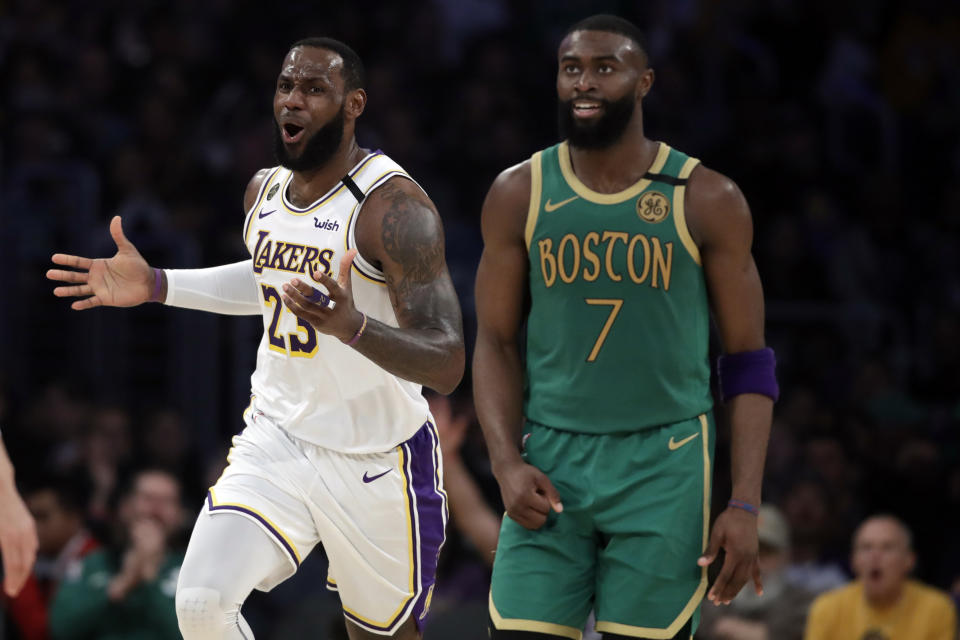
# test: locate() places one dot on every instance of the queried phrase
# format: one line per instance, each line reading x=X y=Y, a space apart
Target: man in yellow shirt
x=882 y=603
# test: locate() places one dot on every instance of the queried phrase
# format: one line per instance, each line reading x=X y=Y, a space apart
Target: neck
x=619 y=165
x=307 y=186
x=885 y=600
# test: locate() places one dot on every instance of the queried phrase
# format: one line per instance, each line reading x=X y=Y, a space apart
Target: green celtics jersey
x=618 y=329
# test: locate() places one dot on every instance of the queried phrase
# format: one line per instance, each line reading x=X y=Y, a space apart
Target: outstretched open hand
x=125 y=280
x=341 y=319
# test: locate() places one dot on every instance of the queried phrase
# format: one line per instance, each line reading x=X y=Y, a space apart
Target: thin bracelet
x=356 y=336
x=746 y=506
x=155 y=297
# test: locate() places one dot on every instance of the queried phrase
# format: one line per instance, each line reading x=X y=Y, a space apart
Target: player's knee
x=201 y=614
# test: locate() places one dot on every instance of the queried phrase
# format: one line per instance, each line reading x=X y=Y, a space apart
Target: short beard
x=317 y=151
x=601 y=134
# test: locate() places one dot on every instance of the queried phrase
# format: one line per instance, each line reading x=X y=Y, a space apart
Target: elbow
x=450 y=375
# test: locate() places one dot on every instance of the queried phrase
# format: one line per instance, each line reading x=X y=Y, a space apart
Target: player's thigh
x=382 y=519
x=230 y=555
x=543 y=579
x=265 y=482
x=654 y=528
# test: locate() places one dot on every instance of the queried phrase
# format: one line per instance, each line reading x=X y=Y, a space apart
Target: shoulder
x=715 y=205
x=513 y=183
x=400 y=199
x=935 y=598
x=834 y=600
x=398 y=218
x=505 y=207
x=253 y=187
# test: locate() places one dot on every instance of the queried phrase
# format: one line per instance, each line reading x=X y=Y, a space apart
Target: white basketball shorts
x=380 y=517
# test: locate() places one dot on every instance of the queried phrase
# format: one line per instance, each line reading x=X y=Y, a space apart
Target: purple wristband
x=748 y=372
x=356 y=336
x=746 y=506
x=157 y=282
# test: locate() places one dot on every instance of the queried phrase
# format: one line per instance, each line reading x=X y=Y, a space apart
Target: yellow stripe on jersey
x=679 y=215
x=536 y=190
x=585 y=192
x=536 y=626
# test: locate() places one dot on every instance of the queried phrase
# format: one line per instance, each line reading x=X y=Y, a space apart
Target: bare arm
x=721 y=221
x=124 y=280
x=736 y=296
x=401 y=231
x=500 y=293
x=18 y=533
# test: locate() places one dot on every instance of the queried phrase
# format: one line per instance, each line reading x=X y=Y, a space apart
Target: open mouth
x=587 y=108
x=292 y=133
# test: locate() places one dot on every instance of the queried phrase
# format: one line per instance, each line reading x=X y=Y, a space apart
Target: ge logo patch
x=653 y=207
x=273 y=191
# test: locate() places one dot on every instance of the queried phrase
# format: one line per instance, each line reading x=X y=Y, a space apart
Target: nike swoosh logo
x=674 y=445
x=367 y=478
x=264 y=215
x=549 y=206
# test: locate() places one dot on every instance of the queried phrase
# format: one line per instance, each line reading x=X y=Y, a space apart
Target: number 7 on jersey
x=615 y=304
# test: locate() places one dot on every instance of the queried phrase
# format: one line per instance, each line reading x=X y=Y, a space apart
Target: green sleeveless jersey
x=618 y=329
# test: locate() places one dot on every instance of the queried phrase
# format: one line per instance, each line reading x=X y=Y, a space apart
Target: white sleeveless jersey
x=308 y=383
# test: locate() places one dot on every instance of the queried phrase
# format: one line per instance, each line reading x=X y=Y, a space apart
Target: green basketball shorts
x=634 y=522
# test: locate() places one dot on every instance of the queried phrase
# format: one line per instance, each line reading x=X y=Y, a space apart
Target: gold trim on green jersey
x=536 y=189
x=691 y=606
x=537 y=626
x=679 y=215
x=585 y=192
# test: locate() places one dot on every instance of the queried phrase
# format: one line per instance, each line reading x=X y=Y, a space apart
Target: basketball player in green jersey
x=601 y=434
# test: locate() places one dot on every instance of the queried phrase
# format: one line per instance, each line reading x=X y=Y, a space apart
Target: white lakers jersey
x=310 y=384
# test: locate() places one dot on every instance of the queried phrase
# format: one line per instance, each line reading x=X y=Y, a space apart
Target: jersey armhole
x=536 y=189
x=679 y=214
x=257 y=202
x=361 y=265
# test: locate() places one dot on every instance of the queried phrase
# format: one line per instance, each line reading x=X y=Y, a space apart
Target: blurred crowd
x=839 y=121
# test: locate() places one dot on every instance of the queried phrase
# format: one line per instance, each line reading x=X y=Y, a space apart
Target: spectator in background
x=18 y=533
x=809 y=509
x=57 y=506
x=882 y=603
x=780 y=612
x=126 y=592
x=460 y=607
x=471 y=514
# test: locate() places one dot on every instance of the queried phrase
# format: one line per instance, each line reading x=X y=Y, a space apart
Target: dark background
x=839 y=120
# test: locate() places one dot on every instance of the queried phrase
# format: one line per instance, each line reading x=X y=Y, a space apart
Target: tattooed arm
x=399 y=232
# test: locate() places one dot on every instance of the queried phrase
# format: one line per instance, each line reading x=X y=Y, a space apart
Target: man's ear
x=355 y=103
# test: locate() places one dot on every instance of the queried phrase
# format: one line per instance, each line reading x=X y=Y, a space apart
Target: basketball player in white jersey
x=347 y=269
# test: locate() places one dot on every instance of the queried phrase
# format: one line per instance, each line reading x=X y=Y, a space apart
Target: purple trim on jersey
x=276 y=534
x=335 y=190
x=432 y=510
